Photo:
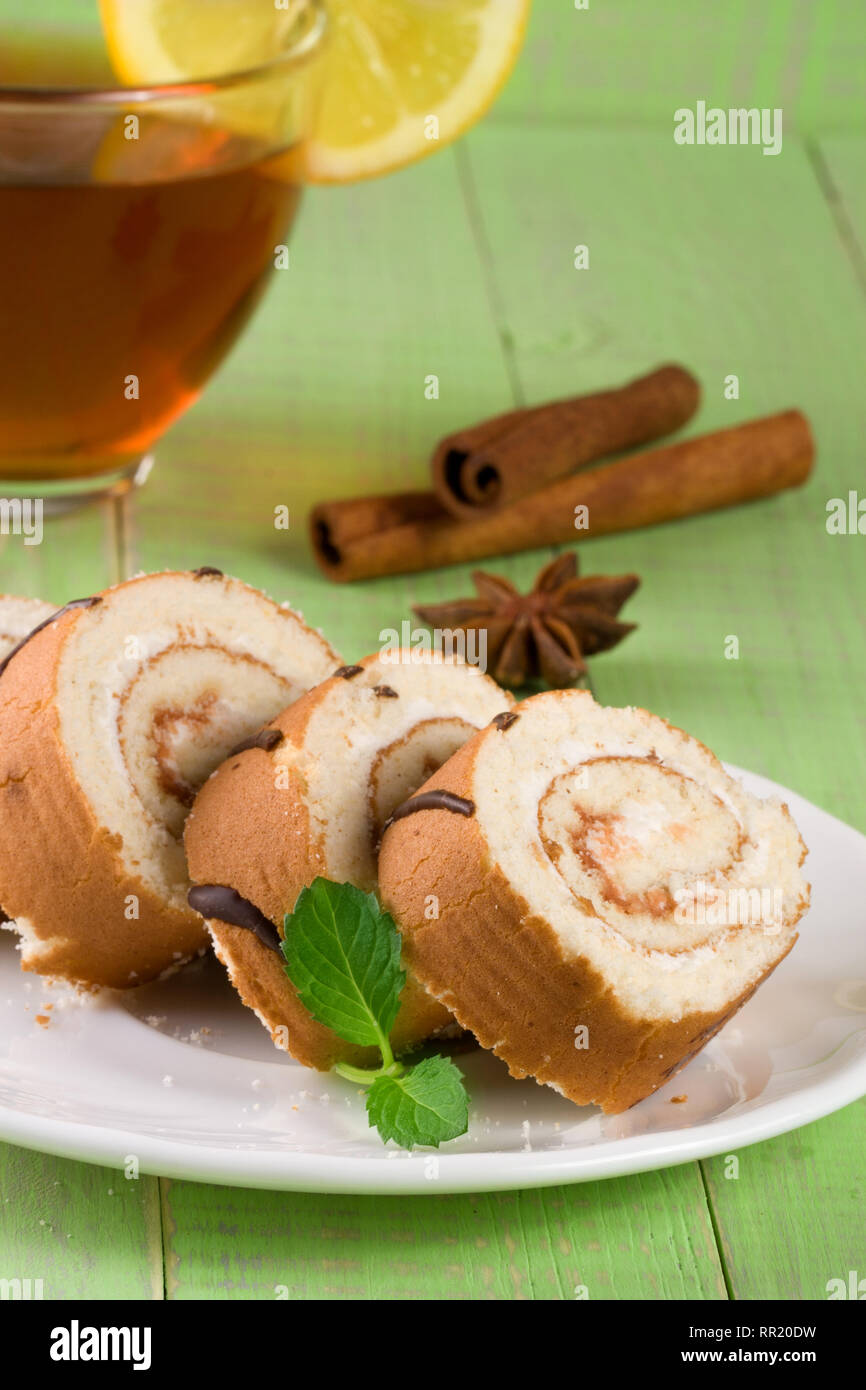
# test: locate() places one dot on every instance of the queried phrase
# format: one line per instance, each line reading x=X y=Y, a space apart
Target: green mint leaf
x=426 y=1105
x=343 y=957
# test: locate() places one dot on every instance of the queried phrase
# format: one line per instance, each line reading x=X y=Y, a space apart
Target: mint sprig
x=428 y=1104
x=342 y=955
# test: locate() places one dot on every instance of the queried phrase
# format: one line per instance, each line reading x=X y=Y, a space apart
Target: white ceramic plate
x=184 y=1078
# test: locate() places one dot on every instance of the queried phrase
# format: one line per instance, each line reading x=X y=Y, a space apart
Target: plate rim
x=410 y=1174
x=292 y=1171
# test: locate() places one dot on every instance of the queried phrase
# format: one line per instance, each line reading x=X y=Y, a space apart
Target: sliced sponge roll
x=310 y=799
x=607 y=899
x=111 y=716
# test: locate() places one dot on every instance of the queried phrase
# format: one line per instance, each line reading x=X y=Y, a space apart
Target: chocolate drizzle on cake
x=505 y=720
x=225 y=905
x=265 y=738
x=347 y=672
x=207 y=572
x=385 y=692
x=435 y=800
x=46 y=622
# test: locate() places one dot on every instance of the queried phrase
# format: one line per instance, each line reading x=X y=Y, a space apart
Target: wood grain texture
x=793 y=1217
x=839 y=164
x=704 y=261
x=86 y=1232
x=646 y=1237
x=632 y=63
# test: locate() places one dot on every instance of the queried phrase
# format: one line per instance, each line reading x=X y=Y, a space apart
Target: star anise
x=543 y=635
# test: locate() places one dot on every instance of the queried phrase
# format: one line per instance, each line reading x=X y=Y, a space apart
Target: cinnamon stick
x=715 y=470
x=336 y=526
x=490 y=465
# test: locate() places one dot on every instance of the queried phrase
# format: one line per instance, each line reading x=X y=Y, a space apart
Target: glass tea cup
x=138 y=230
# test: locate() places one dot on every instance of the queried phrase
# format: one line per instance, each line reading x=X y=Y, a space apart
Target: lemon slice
x=398 y=78
x=163 y=41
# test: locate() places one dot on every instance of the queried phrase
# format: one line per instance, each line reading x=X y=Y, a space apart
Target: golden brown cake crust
x=247 y=834
x=491 y=960
x=59 y=868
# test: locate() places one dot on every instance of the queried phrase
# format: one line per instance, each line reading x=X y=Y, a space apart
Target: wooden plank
x=792 y=1217
x=629 y=1238
x=702 y=261
x=832 y=1151
x=707 y=279
x=636 y=63
x=86 y=1232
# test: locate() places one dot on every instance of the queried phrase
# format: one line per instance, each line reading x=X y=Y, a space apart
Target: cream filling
x=364 y=753
x=18 y=617
x=150 y=704
x=631 y=859
x=662 y=964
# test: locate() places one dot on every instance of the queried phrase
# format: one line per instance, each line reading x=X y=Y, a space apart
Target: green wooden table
x=728 y=261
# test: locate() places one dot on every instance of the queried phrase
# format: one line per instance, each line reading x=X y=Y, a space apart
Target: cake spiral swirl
x=615 y=897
